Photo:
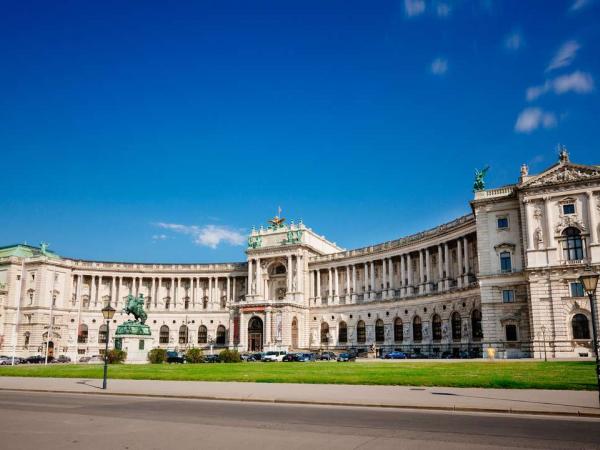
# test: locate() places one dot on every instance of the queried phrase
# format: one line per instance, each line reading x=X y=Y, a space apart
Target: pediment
x=564 y=173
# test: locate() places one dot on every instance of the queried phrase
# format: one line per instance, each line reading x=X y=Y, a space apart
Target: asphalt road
x=71 y=421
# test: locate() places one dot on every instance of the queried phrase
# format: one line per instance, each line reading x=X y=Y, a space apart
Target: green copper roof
x=26 y=251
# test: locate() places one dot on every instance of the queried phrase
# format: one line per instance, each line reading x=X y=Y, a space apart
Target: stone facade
x=504 y=277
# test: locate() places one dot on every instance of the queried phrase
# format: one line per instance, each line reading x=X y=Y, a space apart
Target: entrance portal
x=255 y=335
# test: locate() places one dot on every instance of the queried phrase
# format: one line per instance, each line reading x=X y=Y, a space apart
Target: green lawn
x=497 y=374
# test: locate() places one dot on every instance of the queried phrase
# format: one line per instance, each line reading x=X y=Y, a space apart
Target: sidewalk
x=517 y=401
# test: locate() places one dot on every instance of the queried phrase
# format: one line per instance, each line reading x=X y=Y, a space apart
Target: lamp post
x=589 y=280
x=543 y=329
x=107 y=312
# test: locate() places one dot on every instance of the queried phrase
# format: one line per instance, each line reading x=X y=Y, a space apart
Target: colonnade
x=171 y=293
x=257 y=281
x=419 y=272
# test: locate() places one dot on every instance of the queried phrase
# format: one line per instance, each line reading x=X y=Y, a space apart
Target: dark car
x=306 y=357
x=211 y=359
x=62 y=359
x=327 y=356
x=174 y=357
x=290 y=357
x=395 y=355
x=346 y=357
x=38 y=359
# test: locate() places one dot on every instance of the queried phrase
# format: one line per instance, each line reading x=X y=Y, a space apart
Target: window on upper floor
x=508 y=296
x=502 y=223
x=572 y=244
x=505 y=262
x=577 y=290
x=569 y=208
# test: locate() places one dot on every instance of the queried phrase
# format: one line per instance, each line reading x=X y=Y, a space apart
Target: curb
x=318 y=403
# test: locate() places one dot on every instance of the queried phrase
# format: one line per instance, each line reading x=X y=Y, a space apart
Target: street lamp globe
x=108 y=312
x=589 y=280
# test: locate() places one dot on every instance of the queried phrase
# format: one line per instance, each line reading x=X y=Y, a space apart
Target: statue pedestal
x=136 y=346
x=134 y=337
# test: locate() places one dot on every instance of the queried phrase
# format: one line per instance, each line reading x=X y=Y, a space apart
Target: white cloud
x=208 y=235
x=564 y=56
x=159 y=237
x=442 y=10
x=579 y=4
x=578 y=82
x=531 y=119
x=414 y=7
x=514 y=41
x=439 y=66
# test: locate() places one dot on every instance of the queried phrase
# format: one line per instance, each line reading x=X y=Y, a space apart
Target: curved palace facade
x=504 y=276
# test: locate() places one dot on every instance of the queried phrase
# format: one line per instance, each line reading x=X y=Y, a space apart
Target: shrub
x=116 y=356
x=229 y=356
x=194 y=355
x=157 y=355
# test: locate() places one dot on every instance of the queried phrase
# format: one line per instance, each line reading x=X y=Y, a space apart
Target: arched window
x=379 y=331
x=417 y=329
x=361 y=333
x=398 y=332
x=476 y=325
x=163 y=337
x=572 y=245
x=221 y=334
x=102 y=334
x=324 y=333
x=27 y=336
x=202 y=335
x=183 y=334
x=436 y=328
x=456 y=326
x=82 y=334
x=343 y=333
x=581 y=327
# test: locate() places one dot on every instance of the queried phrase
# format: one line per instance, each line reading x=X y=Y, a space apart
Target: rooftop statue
x=479 y=184
x=277 y=221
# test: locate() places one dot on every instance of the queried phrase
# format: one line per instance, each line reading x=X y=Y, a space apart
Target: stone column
x=153 y=291
x=268 y=318
x=366 y=281
x=93 y=291
x=440 y=268
x=421 y=272
x=467 y=266
x=460 y=262
x=329 y=286
x=591 y=200
x=112 y=292
x=402 y=277
x=427 y=270
x=78 y=289
x=337 y=285
x=411 y=281
x=311 y=284
x=228 y=290
x=259 y=280
x=290 y=273
x=354 y=294
x=243 y=333
x=372 y=274
x=392 y=279
x=234 y=290
x=318 y=293
x=250 y=280
x=347 y=296
x=446 y=266
x=384 y=278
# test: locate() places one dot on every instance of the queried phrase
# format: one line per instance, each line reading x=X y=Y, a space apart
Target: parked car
x=174 y=357
x=38 y=359
x=62 y=359
x=5 y=361
x=395 y=355
x=84 y=359
x=274 y=356
x=327 y=356
x=211 y=359
x=96 y=359
x=346 y=357
x=306 y=357
x=247 y=357
x=290 y=357
x=258 y=356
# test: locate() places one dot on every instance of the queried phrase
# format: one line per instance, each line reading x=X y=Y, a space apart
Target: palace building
x=504 y=276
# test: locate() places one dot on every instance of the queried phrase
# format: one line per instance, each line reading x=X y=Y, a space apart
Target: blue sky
x=154 y=131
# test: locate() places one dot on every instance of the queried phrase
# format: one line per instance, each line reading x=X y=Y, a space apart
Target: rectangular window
x=502 y=223
x=508 y=296
x=141 y=344
x=511 y=333
x=577 y=290
x=569 y=209
x=505 y=262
